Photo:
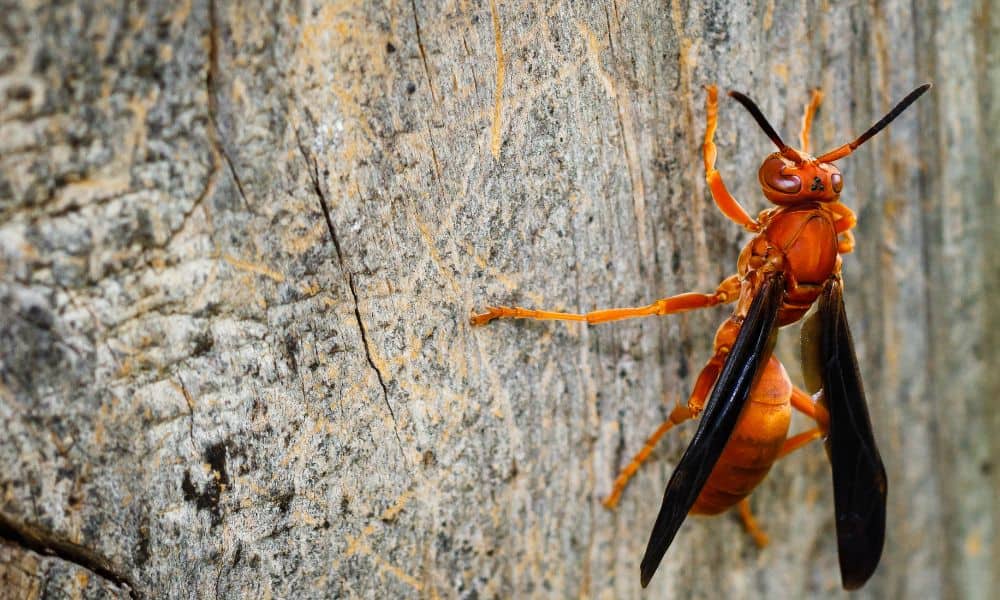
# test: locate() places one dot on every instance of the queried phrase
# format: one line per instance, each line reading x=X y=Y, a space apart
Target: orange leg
x=727 y=204
x=807 y=119
x=791 y=445
x=798 y=440
x=696 y=402
x=805 y=404
x=706 y=380
x=751 y=525
x=846 y=220
x=802 y=402
x=677 y=416
x=845 y=244
x=728 y=291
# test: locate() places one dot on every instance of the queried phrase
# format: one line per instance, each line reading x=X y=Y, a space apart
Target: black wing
x=749 y=353
x=859 y=482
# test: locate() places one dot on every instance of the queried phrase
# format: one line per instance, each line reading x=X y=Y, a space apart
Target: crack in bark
x=312 y=166
x=47 y=544
x=211 y=83
x=190 y=404
x=423 y=54
x=205 y=193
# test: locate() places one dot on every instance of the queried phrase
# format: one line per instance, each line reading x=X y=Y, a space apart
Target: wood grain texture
x=239 y=246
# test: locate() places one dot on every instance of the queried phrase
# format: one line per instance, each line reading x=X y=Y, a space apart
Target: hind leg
x=677 y=416
x=802 y=402
x=750 y=524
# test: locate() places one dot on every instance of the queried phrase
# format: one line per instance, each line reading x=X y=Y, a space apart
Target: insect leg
x=798 y=440
x=677 y=416
x=727 y=204
x=706 y=379
x=751 y=525
x=846 y=220
x=728 y=291
x=791 y=445
x=804 y=403
x=807 y=119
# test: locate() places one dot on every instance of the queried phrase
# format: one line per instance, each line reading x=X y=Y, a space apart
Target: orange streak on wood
x=498 y=96
x=254 y=268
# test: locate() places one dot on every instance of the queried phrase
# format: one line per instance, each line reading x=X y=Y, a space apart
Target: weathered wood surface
x=239 y=246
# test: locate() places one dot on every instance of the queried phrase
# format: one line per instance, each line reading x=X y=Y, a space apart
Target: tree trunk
x=239 y=246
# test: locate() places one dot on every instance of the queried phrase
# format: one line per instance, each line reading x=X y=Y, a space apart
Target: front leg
x=728 y=291
x=725 y=201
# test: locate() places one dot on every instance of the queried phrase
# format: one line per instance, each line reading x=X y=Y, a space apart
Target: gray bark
x=239 y=246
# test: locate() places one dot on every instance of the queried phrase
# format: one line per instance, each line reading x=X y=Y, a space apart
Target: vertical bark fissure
x=211 y=84
x=312 y=166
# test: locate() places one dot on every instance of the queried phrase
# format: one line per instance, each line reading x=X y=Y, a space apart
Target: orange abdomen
x=754 y=446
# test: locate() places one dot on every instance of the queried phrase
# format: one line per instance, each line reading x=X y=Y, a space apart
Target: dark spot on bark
x=19 y=93
x=187 y=486
x=203 y=343
x=443 y=543
x=143 y=233
x=206 y=499
x=39 y=317
x=284 y=501
x=142 y=547
x=210 y=309
x=682 y=366
x=345 y=505
x=411 y=87
x=291 y=347
x=986 y=467
x=215 y=456
x=389 y=47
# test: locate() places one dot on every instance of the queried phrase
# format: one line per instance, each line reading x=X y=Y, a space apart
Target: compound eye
x=772 y=177
x=837 y=182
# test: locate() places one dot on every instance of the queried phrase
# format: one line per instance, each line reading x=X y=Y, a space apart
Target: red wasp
x=792 y=261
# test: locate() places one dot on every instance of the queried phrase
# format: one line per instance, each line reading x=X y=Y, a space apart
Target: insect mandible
x=743 y=395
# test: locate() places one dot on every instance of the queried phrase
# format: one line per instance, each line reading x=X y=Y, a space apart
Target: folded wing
x=743 y=365
x=859 y=481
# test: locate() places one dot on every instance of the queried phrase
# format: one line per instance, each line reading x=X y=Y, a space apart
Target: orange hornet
x=743 y=394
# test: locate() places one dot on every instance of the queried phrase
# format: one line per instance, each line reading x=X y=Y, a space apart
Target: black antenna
x=841 y=152
x=903 y=105
x=762 y=121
